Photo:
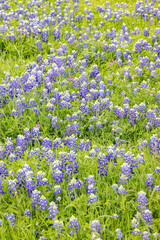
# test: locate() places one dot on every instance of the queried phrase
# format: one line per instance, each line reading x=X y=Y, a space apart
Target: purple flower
x=134 y=223
x=96 y=226
x=35 y=196
x=147 y=216
x=155 y=235
x=11 y=218
x=74 y=224
x=53 y=209
x=58 y=225
x=27 y=212
x=142 y=200
x=119 y=233
x=92 y=198
x=30 y=186
x=136 y=231
x=146 y=235
x=3 y=169
x=39 y=46
x=12 y=186
x=149 y=181
x=121 y=190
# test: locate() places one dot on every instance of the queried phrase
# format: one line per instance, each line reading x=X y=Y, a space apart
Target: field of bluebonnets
x=79 y=119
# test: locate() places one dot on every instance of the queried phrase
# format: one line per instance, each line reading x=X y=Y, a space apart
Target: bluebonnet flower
x=102 y=164
x=39 y=46
x=57 y=171
x=27 y=212
x=134 y=223
x=35 y=196
x=72 y=186
x=92 y=198
x=147 y=216
x=142 y=200
x=126 y=73
x=99 y=125
x=96 y=227
x=136 y=231
x=11 y=218
x=42 y=238
x=154 y=144
x=158 y=96
x=91 y=188
x=57 y=190
x=146 y=235
x=53 y=209
x=74 y=224
x=3 y=169
x=45 y=33
x=39 y=177
x=21 y=142
x=90 y=179
x=126 y=170
x=140 y=158
x=119 y=233
x=146 y=32
x=35 y=133
x=1 y=186
x=0 y=223
x=27 y=134
x=55 y=122
x=155 y=235
x=115 y=216
x=133 y=116
x=58 y=225
x=30 y=186
x=92 y=153
x=47 y=143
x=57 y=142
x=40 y=59
x=121 y=190
x=9 y=146
x=12 y=186
x=157 y=170
x=90 y=128
x=94 y=71
x=149 y=181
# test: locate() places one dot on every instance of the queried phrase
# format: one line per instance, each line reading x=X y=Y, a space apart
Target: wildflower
x=149 y=181
x=134 y=223
x=115 y=216
x=53 y=209
x=146 y=235
x=121 y=190
x=92 y=198
x=136 y=231
x=142 y=200
x=11 y=218
x=119 y=233
x=146 y=214
x=96 y=227
x=58 y=225
x=74 y=225
x=43 y=203
x=155 y=235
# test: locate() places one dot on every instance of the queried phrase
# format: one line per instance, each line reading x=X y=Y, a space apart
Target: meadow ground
x=79 y=119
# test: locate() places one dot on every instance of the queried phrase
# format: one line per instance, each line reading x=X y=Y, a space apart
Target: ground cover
x=79 y=119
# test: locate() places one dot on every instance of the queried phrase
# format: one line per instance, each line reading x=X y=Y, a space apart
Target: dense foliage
x=79 y=119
